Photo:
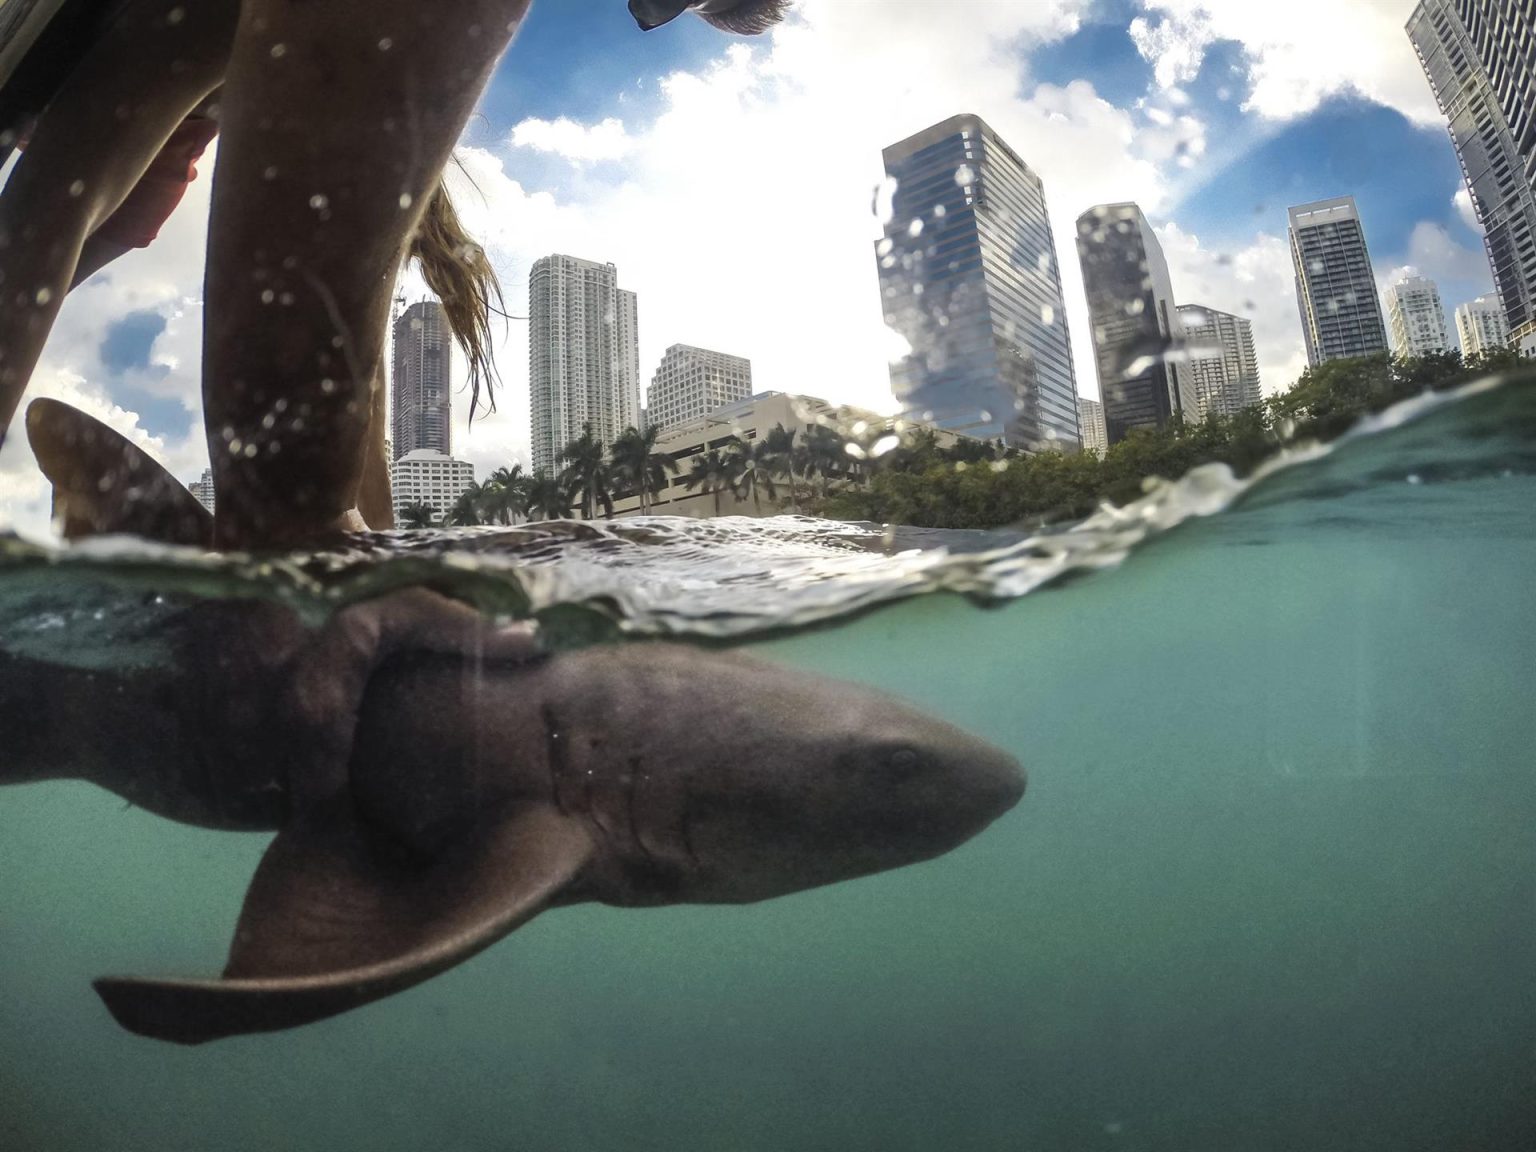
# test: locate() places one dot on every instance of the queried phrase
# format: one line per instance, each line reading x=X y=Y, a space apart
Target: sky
x=732 y=180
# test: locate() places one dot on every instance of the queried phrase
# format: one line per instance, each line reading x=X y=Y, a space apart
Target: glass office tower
x=969 y=276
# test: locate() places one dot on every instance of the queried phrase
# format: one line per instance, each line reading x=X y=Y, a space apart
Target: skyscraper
x=969 y=276
x=420 y=408
x=1090 y=418
x=1223 y=363
x=1481 y=327
x=1135 y=321
x=1416 y=317
x=1335 y=287
x=583 y=355
x=1479 y=60
x=692 y=382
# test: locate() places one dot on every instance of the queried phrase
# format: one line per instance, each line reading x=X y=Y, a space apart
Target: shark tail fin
x=104 y=484
x=329 y=926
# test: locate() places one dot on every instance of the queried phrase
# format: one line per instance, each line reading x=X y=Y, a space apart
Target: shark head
x=811 y=781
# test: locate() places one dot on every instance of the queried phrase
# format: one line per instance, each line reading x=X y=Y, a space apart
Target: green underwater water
x=1273 y=887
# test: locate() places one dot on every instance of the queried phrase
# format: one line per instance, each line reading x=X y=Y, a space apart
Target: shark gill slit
x=685 y=827
x=554 y=754
x=629 y=803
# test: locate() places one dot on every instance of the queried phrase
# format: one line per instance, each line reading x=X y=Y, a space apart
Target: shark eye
x=902 y=760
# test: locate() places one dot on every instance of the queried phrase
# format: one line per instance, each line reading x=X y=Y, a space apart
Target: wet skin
x=311 y=218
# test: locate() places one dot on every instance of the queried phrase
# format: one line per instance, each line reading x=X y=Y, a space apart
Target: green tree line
x=593 y=476
x=924 y=485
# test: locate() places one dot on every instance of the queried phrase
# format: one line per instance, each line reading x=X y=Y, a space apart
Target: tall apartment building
x=1481 y=327
x=692 y=382
x=429 y=477
x=202 y=490
x=1223 y=362
x=1135 y=321
x=419 y=402
x=1090 y=418
x=969 y=276
x=1335 y=287
x=1481 y=66
x=1416 y=318
x=583 y=355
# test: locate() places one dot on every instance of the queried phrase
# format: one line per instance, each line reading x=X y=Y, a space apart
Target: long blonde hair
x=457 y=269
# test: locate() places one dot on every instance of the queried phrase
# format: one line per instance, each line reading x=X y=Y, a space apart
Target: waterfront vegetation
x=923 y=485
x=969 y=484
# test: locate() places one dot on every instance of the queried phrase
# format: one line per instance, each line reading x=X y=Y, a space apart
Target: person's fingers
x=331 y=674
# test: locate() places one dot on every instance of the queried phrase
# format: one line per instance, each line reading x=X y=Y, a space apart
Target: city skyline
x=1214 y=124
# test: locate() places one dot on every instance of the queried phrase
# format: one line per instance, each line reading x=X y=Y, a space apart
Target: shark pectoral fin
x=327 y=926
x=102 y=483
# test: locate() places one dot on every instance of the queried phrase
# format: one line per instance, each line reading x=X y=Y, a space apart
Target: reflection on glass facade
x=1335 y=287
x=1481 y=64
x=1135 y=321
x=969 y=276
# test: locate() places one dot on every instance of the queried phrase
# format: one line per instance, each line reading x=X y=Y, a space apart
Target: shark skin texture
x=635 y=776
x=474 y=794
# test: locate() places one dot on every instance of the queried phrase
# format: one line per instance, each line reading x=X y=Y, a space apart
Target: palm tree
x=825 y=455
x=587 y=475
x=638 y=466
x=418 y=515
x=505 y=495
x=754 y=463
x=714 y=471
x=547 y=497
x=787 y=458
x=465 y=512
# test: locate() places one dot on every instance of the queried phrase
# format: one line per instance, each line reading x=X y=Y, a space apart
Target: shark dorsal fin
x=328 y=925
x=104 y=484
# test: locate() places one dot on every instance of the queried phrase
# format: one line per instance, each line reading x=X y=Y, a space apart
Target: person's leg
x=337 y=121
x=88 y=151
x=375 y=497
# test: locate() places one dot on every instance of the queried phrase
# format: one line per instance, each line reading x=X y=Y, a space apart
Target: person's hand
x=330 y=673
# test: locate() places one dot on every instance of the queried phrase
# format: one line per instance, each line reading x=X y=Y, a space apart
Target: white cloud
x=165 y=278
x=1436 y=254
x=580 y=143
x=1175 y=47
x=1299 y=53
x=1463 y=204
